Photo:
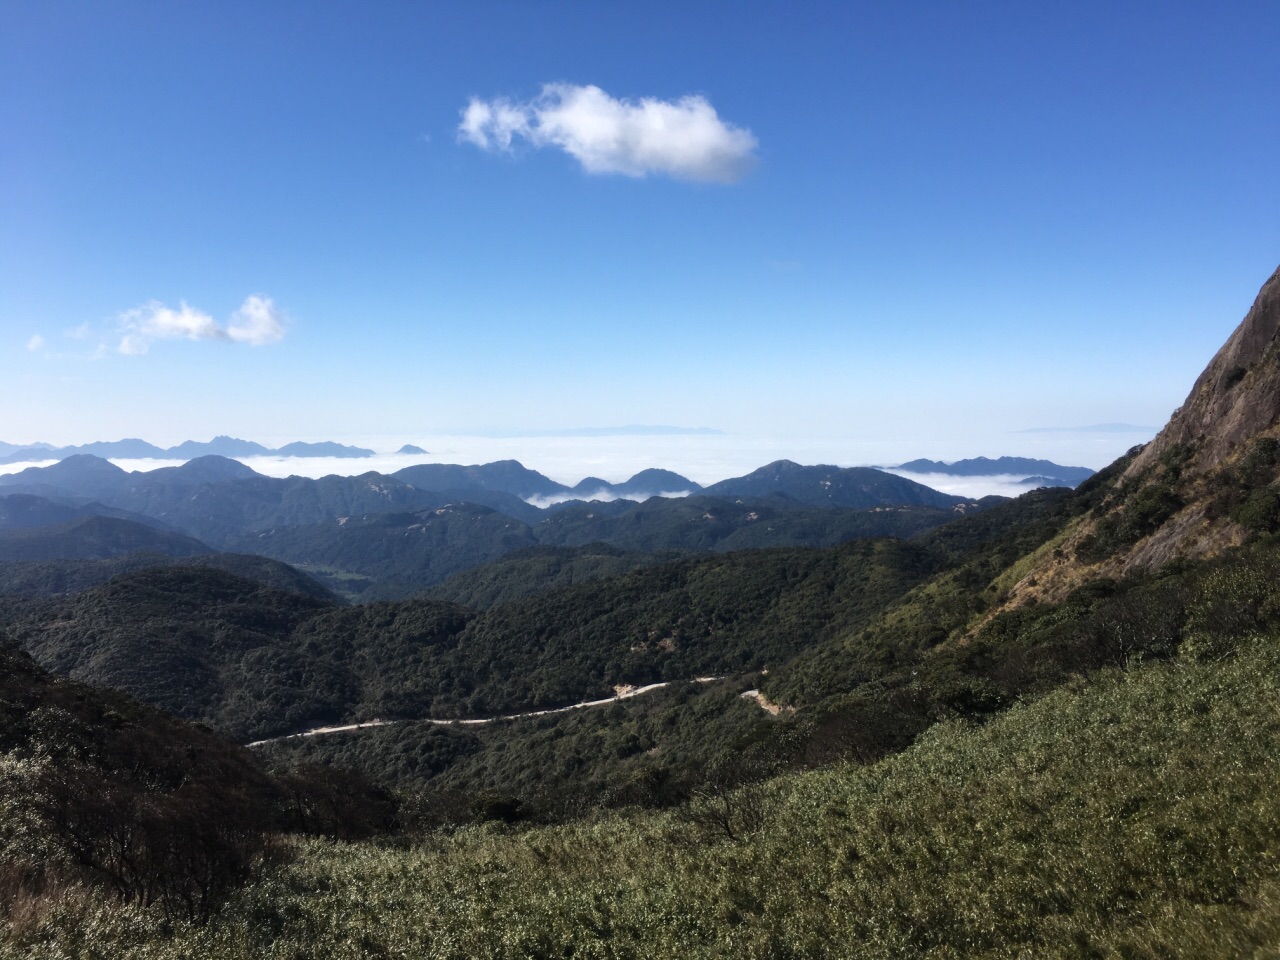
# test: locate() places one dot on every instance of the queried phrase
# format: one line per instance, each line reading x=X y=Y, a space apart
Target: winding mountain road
x=622 y=692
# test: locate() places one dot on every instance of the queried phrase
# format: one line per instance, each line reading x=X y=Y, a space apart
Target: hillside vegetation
x=105 y=800
x=1132 y=817
x=46 y=578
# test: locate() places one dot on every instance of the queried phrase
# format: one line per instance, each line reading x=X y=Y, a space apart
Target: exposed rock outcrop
x=1235 y=400
x=1181 y=495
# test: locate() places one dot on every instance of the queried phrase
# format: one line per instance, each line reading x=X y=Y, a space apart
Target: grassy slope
x=1135 y=816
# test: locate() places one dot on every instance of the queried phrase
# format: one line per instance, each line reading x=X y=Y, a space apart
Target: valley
x=800 y=708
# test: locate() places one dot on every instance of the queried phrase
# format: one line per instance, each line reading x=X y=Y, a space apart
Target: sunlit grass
x=1135 y=816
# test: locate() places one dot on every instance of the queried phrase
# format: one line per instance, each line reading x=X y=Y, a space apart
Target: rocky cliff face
x=1204 y=484
x=1235 y=400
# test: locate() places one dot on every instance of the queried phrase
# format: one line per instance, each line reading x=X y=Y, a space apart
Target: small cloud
x=684 y=139
x=35 y=343
x=256 y=322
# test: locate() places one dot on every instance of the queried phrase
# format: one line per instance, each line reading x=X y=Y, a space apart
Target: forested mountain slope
x=825 y=485
x=195 y=642
x=541 y=569
x=94 y=537
x=31 y=579
x=395 y=555
x=256 y=662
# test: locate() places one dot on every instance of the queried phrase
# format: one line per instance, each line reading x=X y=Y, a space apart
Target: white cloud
x=492 y=125
x=684 y=139
x=256 y=322
x=603 y=496
x=999 y=484
x=35 y=343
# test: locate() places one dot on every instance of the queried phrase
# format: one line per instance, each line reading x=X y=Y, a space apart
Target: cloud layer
x=684 y=139
x=256 y=322
x=603 y=496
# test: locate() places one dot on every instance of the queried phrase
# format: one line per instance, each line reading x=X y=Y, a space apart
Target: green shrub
x=1260 y=512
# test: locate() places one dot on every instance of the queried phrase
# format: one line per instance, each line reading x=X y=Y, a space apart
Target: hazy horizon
x=703 y=459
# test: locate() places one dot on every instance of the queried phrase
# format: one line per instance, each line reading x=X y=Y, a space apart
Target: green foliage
x=200 y=643
x=256 y=662
x=49 y=578
x=651 y=751
x=1142 y=514
x=1001 y=803
x=974 y=551
x=861 y=637
x=391 y=556
x=1260 y=512
x=1237 y=597
x=1244 y=491
x=93 y=537
x=97 y=791
x=872 y=691
x=1133 y=817
x=527 y=573
x=397 y=553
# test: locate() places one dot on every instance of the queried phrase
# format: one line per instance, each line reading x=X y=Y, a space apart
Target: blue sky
x=939 y=224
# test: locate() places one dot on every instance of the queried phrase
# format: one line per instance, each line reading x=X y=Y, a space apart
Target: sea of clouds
x=704 y=459
x=1000 y=485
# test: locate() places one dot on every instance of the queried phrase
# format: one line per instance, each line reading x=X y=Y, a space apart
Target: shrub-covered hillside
x=1134 y=816
x=103 y=799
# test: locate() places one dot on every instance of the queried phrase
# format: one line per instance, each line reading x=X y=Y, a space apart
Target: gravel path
x=620 y=693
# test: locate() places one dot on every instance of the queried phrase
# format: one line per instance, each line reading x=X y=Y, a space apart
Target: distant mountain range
x=227 y=490
x=134 y=449
x=385 y=536
x=1040 y=473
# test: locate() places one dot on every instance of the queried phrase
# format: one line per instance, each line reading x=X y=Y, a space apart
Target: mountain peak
x=1236 y=398
x=1204 y=484
x=212 y=467
x=826 y=485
